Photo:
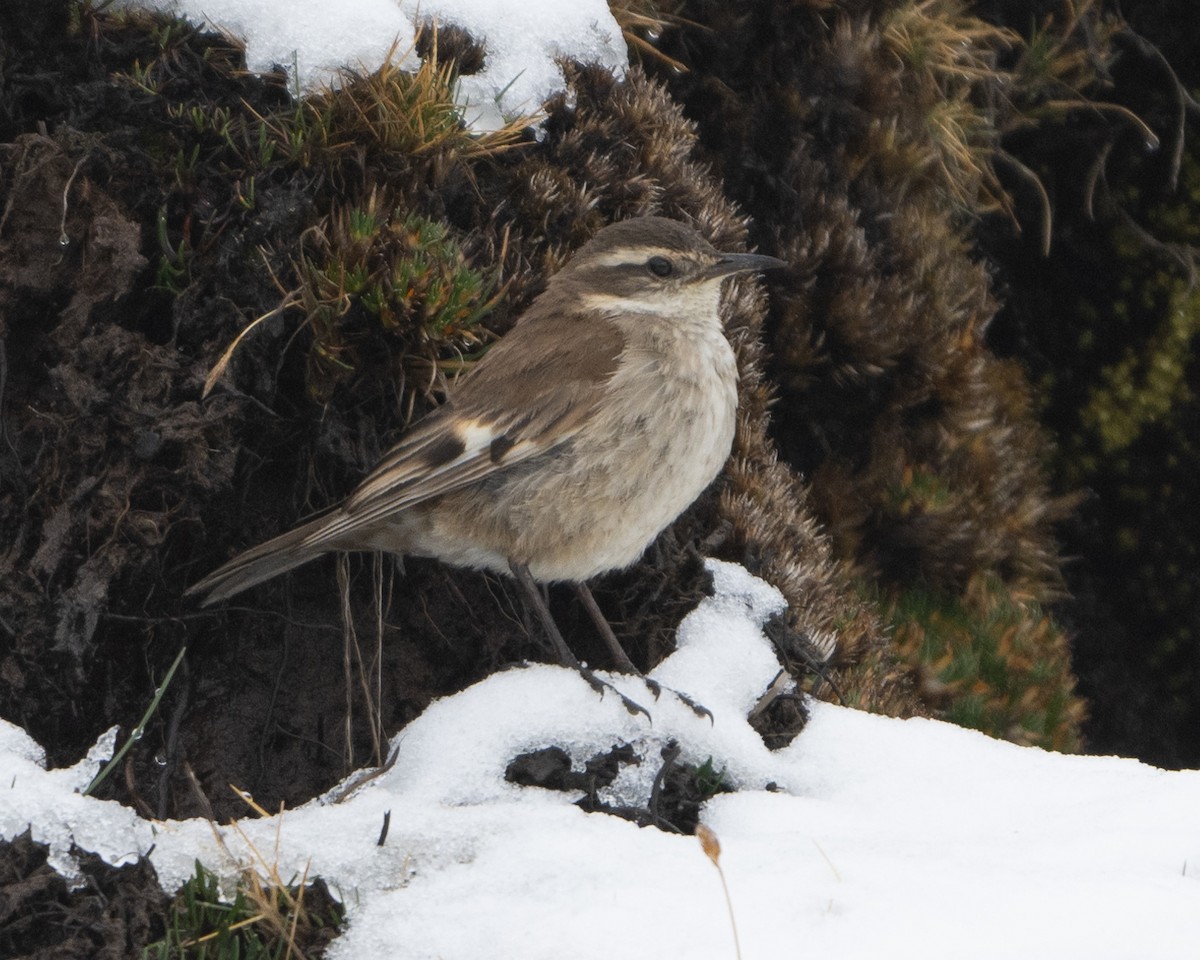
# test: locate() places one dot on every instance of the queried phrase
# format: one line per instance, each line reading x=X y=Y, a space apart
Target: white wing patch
x=407 y=476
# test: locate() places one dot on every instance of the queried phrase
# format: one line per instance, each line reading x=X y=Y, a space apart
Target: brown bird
x=571 y=445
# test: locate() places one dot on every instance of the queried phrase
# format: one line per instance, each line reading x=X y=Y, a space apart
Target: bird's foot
x=696 y=707
x=601 y=686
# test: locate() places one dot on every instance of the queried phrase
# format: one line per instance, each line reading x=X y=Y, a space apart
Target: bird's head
x=652 y=265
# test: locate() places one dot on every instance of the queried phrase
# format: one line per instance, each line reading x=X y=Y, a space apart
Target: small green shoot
x=140 y=729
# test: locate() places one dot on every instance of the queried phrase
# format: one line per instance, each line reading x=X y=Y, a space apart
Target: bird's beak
x=731 y=263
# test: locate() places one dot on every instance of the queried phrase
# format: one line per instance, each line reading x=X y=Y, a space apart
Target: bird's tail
x=261 y=563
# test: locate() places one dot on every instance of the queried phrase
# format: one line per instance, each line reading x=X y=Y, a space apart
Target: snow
x=866 y=834
x=316 y=39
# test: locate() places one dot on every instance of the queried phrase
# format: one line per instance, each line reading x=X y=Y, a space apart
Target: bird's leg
x=620 y=657
x=533 y=597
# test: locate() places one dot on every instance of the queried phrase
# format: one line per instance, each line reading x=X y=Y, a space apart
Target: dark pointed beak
x=731 y=263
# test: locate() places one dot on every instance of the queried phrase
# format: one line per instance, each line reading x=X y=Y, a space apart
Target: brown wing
x=530 y=394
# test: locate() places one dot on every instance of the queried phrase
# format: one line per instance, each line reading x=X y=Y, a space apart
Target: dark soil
x=110 y=914
x=673 y=804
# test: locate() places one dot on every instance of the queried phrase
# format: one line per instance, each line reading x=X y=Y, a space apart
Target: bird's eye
x=660 y=266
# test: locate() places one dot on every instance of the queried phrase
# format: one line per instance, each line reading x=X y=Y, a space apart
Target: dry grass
x=264 y=917
x=642 y=23
x=409 y=112
x=983 y=82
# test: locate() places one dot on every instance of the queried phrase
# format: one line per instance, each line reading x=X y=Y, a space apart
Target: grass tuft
x=264 y=917
x=371 y=278
x=259 y=921
x=405 y=112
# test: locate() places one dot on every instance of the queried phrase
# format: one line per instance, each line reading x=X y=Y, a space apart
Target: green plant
x=990 y=660
x=136 y=735
x=262 y=921
x=709 y=780
x=368 y=276
x=173 y=265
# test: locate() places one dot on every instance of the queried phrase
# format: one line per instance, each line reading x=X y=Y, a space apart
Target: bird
x=575 y=440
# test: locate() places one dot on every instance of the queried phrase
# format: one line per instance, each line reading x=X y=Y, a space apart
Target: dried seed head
x=709 y=843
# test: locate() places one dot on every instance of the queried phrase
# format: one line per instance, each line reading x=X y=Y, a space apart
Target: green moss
x=372 y=279
x=920 y=489
x=990 y=660
x=1149 y=380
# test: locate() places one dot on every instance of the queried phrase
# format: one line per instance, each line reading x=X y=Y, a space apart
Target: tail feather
x=260 y=563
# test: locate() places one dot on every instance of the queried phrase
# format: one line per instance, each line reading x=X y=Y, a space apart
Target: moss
x=991 y=660
x=1149 y=382
x=1110 y=321
x=375 y=283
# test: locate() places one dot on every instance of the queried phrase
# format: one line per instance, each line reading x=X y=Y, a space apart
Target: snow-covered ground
x=866 y=837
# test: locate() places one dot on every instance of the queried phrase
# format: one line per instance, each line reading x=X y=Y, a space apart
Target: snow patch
x=865 y=836
x=315 y=40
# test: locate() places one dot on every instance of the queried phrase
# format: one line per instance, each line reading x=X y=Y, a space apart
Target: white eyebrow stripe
x=630 y=256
